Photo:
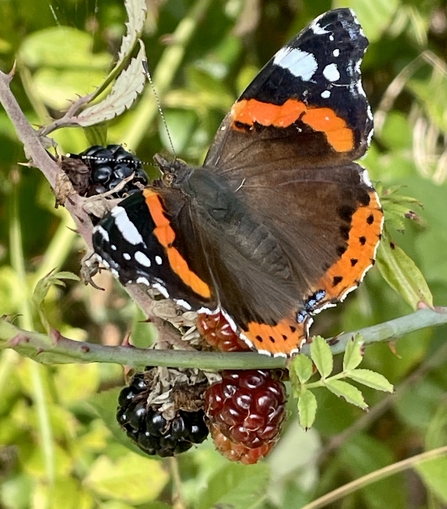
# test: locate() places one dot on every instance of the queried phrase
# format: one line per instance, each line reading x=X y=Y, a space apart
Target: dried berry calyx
x=248 y=408
x=161 y=410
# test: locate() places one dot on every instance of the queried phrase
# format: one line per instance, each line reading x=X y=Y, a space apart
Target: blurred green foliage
x=55 y=450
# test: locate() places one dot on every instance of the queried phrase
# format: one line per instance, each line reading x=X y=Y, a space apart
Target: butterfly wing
x=286 y=150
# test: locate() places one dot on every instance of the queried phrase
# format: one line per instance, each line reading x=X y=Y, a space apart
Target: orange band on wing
x=165 y=236
x=324 y=120
x=249 y=111
x=364 y=237
x=282 y=339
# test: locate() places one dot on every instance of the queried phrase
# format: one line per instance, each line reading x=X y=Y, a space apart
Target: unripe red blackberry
x=160 y=423
x=216 y=330
x=238 y=452
x=100 y=169
x=247 y=407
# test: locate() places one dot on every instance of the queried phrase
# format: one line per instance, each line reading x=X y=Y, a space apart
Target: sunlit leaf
x=346 y=391
x=307 y=409
x=302 y=366
x=65 y=492
x=399 y=208
x=131 y=478
x=353 y=353
x=136 y=11
x=125 y=90
x=321 y=355
x=433 y=473
x=370 y=379
x=401 y=273
x=236 y=486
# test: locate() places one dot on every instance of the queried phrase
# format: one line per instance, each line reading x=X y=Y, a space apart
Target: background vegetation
x=56 y=450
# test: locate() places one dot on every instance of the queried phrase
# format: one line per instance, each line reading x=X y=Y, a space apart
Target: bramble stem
x=61 y=350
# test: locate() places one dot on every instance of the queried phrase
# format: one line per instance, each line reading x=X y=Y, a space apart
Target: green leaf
x=346 y=391
x=433 y=473
x=371 y=379
x=401 y=273
x=53 y=278
x=307 y=409
x=236 y=486
x=96 y=134
x=398 y=208
x=353 y=353
x=65 y=492
x=302 y=367
x=321 y=355
x=131 y=478
x=43 y=287
x=436 y=435
x=49 y=48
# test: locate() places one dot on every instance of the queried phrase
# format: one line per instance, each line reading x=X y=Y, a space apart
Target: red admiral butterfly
x=279 y=222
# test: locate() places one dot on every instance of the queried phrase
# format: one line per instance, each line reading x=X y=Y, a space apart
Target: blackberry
x=247 y=407
x=168 y=422
x=216 y=330
x=100 y=169
x=238 y=452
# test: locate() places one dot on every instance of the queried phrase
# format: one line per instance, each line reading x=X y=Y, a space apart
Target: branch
x=61 y=350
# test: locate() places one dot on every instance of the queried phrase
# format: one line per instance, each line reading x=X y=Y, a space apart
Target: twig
x=375 y=476
x=61 y=350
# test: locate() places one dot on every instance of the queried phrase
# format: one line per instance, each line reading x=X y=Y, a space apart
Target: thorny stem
x=61 y=350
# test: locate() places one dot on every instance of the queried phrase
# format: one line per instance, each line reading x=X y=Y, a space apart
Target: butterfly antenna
x=160 y=110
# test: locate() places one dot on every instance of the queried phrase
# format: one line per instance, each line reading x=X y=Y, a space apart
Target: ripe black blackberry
x=248 y=408
x=161 y=411
x=101 y=169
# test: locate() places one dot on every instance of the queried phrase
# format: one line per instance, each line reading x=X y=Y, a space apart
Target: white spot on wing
x=208 y=311
x=183 y=303
x=126 y=256
x=364 y=177
x=127 y=229
x=142 y=259
x=331 y=73
x=336 y=52
x=161 y=289
x=316 y=28
x=230 y=321
x=325 y=94
x=104 y=233
x=142 y=281
x=300 y=63
x=158 y=260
